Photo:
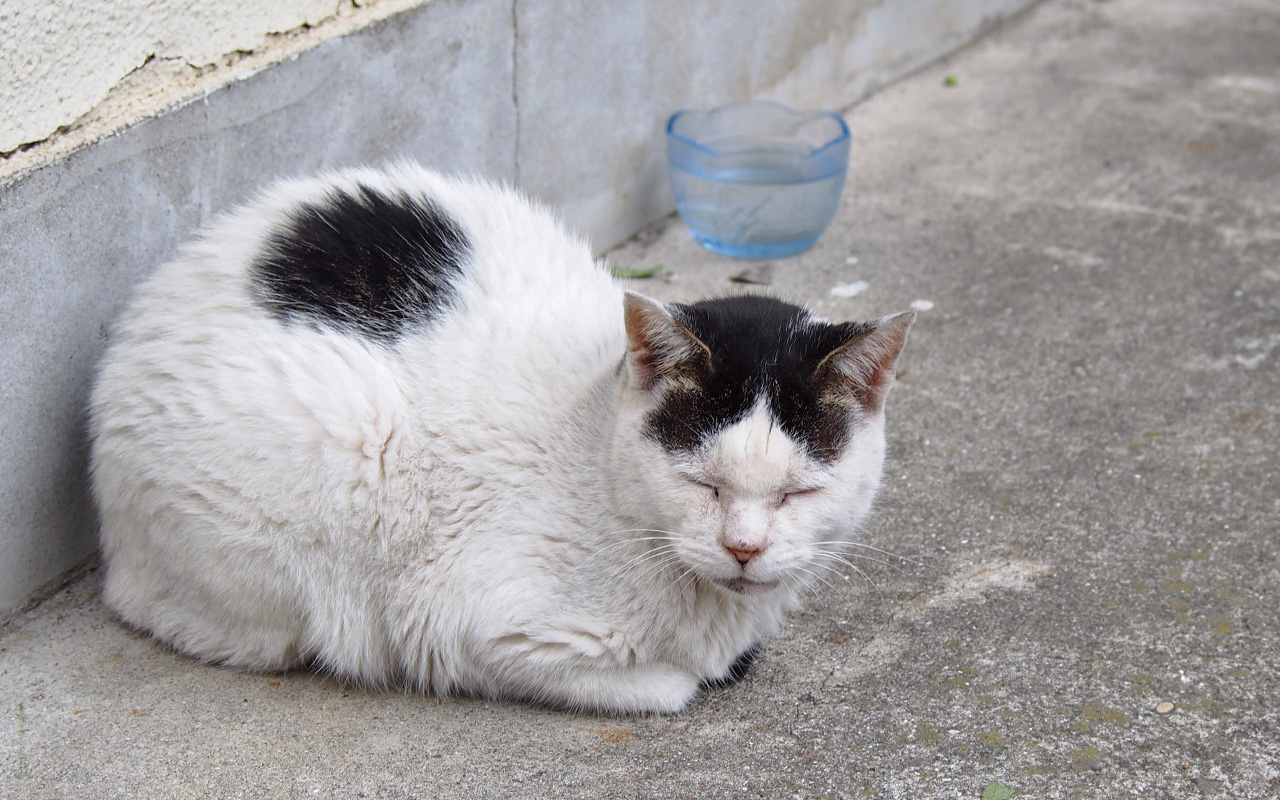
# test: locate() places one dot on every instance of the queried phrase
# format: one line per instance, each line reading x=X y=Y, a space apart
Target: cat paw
x=589 y=666
x=650 y=689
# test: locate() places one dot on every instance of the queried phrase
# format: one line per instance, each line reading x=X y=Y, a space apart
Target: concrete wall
x=566 y=99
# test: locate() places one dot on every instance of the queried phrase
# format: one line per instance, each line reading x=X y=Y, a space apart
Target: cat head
x=754 y=433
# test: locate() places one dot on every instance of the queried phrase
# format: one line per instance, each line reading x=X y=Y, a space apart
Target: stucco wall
x=60 y=58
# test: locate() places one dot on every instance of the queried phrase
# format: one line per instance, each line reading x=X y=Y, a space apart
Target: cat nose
x=743 y=555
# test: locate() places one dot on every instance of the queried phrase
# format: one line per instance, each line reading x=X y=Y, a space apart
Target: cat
x=402 y=427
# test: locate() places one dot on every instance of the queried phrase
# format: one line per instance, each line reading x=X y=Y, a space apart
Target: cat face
x=760 y=433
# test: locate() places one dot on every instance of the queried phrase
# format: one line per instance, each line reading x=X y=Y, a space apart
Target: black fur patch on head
x=759 y=346
x=363 y=262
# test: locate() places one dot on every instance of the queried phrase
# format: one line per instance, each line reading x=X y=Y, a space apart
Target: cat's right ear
x=660 y=349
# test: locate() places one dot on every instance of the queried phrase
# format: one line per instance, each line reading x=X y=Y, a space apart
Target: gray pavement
x=1083 y=496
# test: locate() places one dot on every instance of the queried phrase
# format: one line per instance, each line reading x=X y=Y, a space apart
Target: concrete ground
x=1083 y=498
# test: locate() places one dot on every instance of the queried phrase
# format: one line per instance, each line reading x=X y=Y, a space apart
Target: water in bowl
x=762 y=204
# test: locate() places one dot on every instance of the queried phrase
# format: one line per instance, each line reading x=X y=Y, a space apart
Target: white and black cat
x=402 y=427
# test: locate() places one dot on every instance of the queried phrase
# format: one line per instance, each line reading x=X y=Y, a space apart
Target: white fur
x=470 y=511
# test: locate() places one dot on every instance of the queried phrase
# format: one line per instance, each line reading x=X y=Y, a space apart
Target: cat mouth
x=744 y=586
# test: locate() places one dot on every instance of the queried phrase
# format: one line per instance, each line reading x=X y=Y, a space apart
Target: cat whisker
x=644 y=530
x=623 y=542
x=796 y=584
x=656 y=559
x=850 y=565
x=686 y=575
x=864 y=546
x=664 y=534
x=842 y=555
x=648 y=563
x=658 y=566
x=793 y=585
x=608 y=548
x=818 y=577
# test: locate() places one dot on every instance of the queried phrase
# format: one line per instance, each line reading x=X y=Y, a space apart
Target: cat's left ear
x=863 y=368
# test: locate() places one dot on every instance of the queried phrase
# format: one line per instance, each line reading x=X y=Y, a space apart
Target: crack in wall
x=515 y=87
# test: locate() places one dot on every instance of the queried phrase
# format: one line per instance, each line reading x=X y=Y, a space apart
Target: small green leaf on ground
x=997 y=791
x=950 y=80
x=628 y=272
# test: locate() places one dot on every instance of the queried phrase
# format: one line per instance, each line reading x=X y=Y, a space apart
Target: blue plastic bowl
x=757 y=179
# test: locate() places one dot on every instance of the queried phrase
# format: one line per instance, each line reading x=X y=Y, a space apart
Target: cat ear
x=660 y=348
x=862 y=369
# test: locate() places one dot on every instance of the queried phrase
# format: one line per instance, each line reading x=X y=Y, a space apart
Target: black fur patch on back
x=363 y=262
x=759 y=346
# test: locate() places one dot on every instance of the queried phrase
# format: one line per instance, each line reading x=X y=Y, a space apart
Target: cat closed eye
x=715 y=490
x=787 y=496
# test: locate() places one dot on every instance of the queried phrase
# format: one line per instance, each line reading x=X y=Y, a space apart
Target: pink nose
x=743 y=555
